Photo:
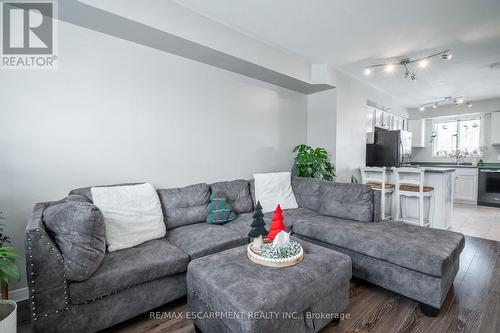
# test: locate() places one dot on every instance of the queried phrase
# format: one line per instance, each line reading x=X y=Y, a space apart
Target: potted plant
x=8 y=271
x=313 y=163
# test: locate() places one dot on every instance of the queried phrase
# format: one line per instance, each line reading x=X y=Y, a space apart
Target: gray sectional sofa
x=417 y=262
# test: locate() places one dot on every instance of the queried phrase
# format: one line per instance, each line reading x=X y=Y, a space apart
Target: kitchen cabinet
x=466 y=185
x=495 y=128
x=378 y=118
x=442 y=181
x=417 y=128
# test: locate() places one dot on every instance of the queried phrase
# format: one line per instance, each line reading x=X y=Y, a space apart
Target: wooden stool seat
x=378 y=186
x=415 y=188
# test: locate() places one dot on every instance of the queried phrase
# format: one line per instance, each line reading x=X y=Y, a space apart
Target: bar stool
x=410 y=183
x=376 y=178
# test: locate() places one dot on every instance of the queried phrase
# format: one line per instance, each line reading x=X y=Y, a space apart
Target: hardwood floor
x=472 y=305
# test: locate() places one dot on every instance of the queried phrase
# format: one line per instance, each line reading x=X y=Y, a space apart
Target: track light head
x=446 y=56
x=421 y=108
x=367 y=71
x=435 y=105
x=413 y=77
x=469 y=104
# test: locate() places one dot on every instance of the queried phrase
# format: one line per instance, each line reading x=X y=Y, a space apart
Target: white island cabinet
x=442 y=180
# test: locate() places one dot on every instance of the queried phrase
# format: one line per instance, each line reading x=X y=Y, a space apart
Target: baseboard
x=19 y=294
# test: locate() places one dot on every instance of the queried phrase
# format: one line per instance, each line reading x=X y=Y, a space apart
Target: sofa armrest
x=48 y=288
x=376 y=206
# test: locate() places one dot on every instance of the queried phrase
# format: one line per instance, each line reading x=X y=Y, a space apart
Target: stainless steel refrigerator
x=390 y=149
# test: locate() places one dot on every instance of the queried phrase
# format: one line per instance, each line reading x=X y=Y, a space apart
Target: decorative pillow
x=77 y=227
x=219 y=211
x=185 y=205
x=272 y=189
x=347 y=201
x=132 y=214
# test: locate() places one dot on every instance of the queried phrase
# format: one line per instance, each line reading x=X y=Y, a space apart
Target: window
x=457 y=136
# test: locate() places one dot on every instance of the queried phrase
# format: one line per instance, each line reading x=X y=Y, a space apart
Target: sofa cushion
x=348 y=201
x=201 y=239
x=77 y=227
x=86 y=192
x=132 y=214
x=238 y=194
x=426 y=250
x=242 y=223
x=185 y=205
x=130 y=267
x=306 y=192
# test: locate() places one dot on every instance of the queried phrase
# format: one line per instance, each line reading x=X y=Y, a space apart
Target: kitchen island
x=442 y=180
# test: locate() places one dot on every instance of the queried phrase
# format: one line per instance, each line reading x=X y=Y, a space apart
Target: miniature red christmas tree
x=277 y=224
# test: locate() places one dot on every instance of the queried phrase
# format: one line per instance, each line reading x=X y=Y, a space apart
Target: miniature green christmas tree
x=258 y=226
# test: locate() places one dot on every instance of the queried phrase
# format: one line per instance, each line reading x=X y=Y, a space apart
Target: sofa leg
x=428 y=310
x=197 y=329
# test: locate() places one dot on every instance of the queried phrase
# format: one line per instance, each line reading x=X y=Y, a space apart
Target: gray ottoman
x=229 y=293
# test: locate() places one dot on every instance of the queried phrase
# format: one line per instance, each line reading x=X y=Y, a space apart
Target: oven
x=488 y=193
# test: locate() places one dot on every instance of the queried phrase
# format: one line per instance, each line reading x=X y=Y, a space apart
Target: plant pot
x=8 y=316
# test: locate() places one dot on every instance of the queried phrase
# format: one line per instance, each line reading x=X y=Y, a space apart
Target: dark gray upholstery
x=238 y=194
x=229 y=282
x=125 y=268
x=185 y=205
x=77 y=227
x=201 y=239
x=376 y=206
x=86 y=192
x=417 y=262
x=419 y=286
x=348 y=201
x=110 y=310
x=306 y=191
x=425 y=250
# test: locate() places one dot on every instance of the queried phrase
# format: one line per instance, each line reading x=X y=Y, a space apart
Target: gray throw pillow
x=77 y=227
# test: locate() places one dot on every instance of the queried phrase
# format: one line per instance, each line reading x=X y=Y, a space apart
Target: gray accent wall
x=118 y=112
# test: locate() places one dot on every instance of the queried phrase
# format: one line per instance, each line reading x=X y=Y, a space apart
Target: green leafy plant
x=313 y=163
x=354 y=180
x=8 y=268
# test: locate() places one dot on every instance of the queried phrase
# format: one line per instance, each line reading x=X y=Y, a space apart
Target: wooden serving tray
x=279 y=263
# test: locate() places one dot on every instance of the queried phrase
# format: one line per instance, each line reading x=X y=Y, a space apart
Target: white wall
x=322 y=121
x=118 y=112
x=337 y=120
x=483 y=107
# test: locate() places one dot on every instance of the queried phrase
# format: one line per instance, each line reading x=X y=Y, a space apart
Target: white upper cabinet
x=382 y=119
x=495 y=128
x=417 y=128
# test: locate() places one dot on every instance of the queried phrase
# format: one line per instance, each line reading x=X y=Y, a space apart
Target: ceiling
x=351 y=34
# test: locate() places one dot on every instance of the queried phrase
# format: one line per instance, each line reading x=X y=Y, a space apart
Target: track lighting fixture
x=445 y=100
x=446 y=55
x=421 y=62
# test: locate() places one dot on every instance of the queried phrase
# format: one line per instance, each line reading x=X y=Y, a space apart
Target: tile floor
x=477 y=221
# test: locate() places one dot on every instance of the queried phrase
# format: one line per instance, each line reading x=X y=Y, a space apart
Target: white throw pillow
x=272 y=189
x=132 y=214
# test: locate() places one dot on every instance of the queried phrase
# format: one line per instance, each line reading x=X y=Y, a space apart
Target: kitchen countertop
x=454 y=165
x=433 y=170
